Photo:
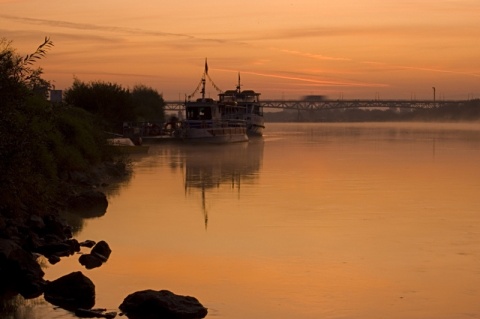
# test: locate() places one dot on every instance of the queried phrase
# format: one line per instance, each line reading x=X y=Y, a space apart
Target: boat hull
x=216 y=135
x=255 y=130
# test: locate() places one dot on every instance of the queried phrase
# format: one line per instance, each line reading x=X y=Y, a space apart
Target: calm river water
x=310 y=221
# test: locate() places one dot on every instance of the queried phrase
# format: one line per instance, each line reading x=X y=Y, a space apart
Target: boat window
x=193 y=113
x=205 y=113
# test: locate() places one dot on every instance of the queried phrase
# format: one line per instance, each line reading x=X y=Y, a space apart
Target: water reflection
x=209 y=167
x=76 y=217
x=14 y=306
x=334 y=221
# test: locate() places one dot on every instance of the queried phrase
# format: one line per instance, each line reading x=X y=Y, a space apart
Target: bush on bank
x=40 y=143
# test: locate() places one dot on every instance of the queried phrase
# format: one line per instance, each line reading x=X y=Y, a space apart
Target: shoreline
x=25 y=236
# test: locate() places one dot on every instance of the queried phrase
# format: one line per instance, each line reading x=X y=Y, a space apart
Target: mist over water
x=310 y=221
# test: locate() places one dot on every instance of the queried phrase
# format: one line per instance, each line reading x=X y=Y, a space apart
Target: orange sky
x=284 y=49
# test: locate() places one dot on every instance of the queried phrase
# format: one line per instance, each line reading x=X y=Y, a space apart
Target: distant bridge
x=311 y=105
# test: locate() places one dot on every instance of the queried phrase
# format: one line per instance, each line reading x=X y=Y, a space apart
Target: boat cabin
x=202 y=110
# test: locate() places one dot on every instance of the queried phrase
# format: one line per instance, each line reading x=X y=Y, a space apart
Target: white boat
x=244 y=105
x=126 y=145
x=204 y=122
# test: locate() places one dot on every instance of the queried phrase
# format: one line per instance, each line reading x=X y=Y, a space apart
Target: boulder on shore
x=162 y=304
x=71 y=292
x=89 y=203
x=19 y=270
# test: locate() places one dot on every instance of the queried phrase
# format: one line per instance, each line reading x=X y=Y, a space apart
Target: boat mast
x=203 y=88
x=238 y=85
x=205 y=73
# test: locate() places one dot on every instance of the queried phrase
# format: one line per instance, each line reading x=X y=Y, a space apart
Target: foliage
x=39 y=144
x=22 y=153
x=148 y=104
x=109 y=101
x=114 y=104
x=79 y=143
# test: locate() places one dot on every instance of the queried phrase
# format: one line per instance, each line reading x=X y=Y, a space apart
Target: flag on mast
x=206 y=66
x=238 y=85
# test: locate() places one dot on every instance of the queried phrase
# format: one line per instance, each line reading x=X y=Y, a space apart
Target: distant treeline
x=463 y=111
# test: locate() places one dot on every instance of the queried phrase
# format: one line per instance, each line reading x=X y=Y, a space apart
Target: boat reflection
x=209 y=167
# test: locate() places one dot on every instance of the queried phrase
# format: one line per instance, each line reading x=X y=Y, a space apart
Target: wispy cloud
x=96 y=74
x=321 y=82
x=417 y=68
x=379 y=65
x=112 y=29
x=313 y=55
x=382 y=30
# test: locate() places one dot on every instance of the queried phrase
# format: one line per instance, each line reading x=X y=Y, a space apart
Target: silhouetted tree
x=40 y=145
x=109 y=101
x=148 y=104
x=26 y=169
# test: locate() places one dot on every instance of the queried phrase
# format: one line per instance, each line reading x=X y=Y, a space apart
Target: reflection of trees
x=209 y=166
x=76 y=217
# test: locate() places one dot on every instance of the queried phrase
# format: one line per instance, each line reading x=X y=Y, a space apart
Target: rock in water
x=98 y=255
x=162 y=304
x=88 y=204
x=71 y=291
x=90 y=261
x=101 y=250
x=87 y=243
x=19 y=270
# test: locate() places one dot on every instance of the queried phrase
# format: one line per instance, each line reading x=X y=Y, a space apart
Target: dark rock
x=90 y=261
x=87 y=243
x=56 y=226
x=19 y=270
x=94 y=313
x=36 y=222
x=71 y=292
x=74 y=245
x=59 y=249
x=53 y=239
x=162 y=304
x=79 y=178
x=55 y=246
x=118 y=169
x=68 y=231
x=53 y=259
x=3 y=225
x=33 y=241
x=90 y=203
x=99 y=254
x=101 y=250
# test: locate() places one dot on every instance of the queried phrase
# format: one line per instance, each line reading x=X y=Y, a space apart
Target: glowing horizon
x=386 y=49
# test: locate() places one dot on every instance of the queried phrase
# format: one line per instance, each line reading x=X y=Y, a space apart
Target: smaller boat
x=205 y=123
x=244 y=105
x=126 y=145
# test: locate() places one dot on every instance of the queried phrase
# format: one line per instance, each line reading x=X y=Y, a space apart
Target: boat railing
x=199 y=124
x=236 y=122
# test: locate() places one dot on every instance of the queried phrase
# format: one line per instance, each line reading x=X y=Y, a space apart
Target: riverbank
x=29 y=240
x=26 y=235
